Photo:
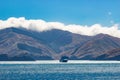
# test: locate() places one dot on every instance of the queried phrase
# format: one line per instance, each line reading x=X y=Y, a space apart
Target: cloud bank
x=41 y=25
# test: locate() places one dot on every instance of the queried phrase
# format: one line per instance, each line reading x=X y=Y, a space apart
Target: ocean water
x=59 y=71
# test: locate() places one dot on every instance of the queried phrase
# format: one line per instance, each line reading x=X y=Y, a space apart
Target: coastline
x=57 y=62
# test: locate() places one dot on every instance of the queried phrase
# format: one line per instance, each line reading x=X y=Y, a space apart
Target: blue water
x=106 y=71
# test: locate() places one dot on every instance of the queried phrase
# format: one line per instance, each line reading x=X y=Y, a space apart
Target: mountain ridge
x=22 y=44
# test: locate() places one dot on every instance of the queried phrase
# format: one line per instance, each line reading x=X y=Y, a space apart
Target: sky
x=82 y=12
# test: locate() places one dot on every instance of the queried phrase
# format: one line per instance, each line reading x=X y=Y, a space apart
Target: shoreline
x=57 y=62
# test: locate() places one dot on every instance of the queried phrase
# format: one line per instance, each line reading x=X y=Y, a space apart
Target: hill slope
x=22 y=44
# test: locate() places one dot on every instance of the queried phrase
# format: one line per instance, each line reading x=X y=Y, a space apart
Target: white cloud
x=41 y=25
x=109 y=13
x=112 y=22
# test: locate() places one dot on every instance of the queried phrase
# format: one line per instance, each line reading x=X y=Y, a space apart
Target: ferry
x=64 y=59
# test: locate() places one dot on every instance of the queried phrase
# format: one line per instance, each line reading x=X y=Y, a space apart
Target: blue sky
x=84 y=12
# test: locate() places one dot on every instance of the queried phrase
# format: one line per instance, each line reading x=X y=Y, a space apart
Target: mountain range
x=19 y=44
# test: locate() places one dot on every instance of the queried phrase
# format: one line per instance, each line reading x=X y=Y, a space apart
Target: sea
x=55 y=70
